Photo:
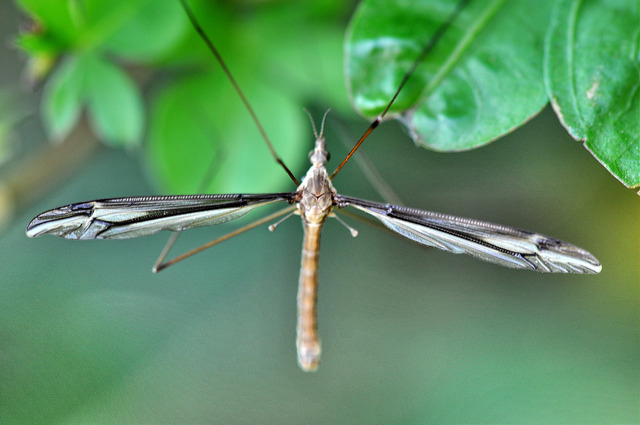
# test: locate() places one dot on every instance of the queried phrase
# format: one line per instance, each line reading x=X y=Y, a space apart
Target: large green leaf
x=482 y=79
x=592 y=74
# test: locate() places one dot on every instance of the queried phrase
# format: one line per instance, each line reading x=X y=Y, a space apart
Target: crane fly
x=315 y=200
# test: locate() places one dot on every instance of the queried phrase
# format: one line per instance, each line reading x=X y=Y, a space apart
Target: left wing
x=495 y=243
x=121 y=218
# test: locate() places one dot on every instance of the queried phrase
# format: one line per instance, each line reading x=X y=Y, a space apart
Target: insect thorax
x=316 y=195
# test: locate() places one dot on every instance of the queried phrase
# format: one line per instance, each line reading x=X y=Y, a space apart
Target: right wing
x=121 y=218
x=503 y=245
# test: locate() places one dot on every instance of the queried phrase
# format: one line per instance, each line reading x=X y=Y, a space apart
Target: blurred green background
x=89 y=334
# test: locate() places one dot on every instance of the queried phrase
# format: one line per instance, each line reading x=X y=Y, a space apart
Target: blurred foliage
x=106 y=53
x=12 y=111
x=486 y=75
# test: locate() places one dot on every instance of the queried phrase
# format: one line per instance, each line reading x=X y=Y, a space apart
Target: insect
x=315 y=200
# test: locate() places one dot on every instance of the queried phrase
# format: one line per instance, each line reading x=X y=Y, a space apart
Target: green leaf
x=55 y=29
x=34 y=44
x=591 y=72
x=115 y=106
x=482 y=79
x=63 y=97
x=199 y=120
x=313 y=68
x=140 y=30
x=200 y=131
x=58 y=22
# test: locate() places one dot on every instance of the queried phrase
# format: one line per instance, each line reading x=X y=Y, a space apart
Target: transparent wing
x=495 y=243
x=121 y=218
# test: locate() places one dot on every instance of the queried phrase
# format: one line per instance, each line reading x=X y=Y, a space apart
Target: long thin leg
x=427 y=48
x=157 y=266
x=236 y=87
x=211 y=169
x=160 y=265
x=369 y=170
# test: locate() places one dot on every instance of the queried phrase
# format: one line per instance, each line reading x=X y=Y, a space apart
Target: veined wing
x=121 y=218
x=495 y=243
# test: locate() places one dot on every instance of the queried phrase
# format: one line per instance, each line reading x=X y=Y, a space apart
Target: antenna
x=313 y=124
x=236 y=87
x=427 y=48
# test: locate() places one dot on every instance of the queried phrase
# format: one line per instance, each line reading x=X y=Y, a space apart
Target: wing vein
x=507 y=246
